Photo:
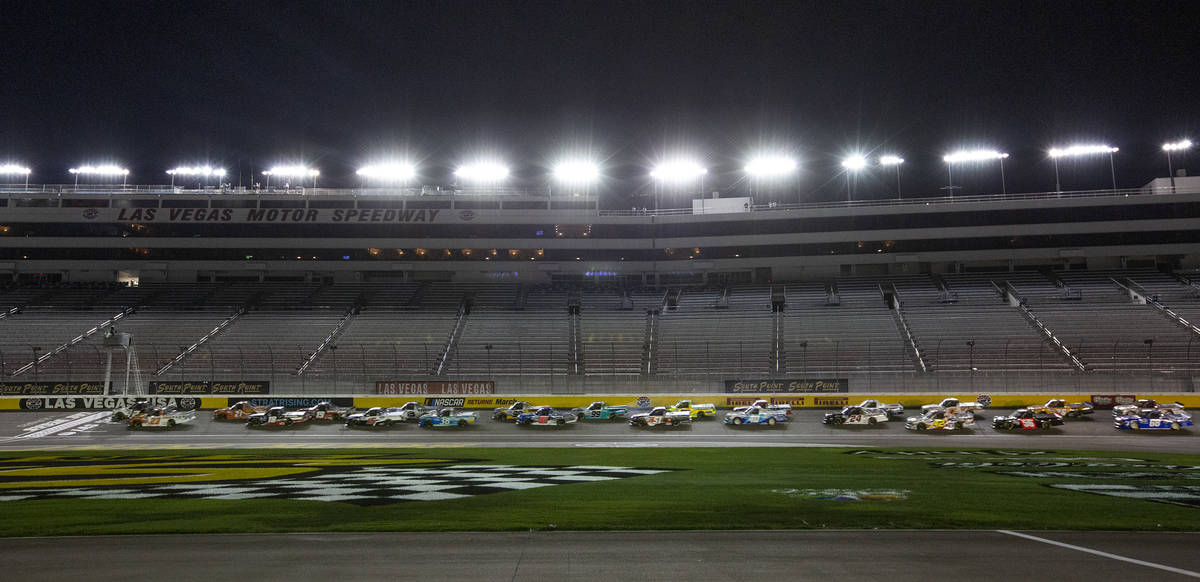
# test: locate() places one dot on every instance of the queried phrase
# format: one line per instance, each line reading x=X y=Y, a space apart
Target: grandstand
x=561 y=296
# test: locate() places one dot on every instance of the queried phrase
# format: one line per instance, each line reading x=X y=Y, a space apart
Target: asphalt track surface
x=896 y=556
x=65 y=430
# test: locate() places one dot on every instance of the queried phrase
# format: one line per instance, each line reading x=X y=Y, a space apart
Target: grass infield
x=717 y=488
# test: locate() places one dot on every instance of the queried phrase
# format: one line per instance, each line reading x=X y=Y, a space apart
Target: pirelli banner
x=216 y=388
x=51 y=388
x=800 y=386
x=421 y=387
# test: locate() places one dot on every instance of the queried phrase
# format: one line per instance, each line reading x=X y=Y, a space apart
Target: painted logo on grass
x=846 y=494
x=356 y=479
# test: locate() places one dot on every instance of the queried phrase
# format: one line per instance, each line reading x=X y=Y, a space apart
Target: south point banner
x=801 y=386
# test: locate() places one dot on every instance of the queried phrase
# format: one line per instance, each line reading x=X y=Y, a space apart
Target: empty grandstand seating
x=398 y=330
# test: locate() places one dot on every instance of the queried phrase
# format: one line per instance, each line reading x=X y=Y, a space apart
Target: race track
x=29 y=430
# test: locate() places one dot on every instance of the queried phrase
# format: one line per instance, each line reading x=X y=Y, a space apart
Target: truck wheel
x=1044 y=425
x=171 y=423
x=871 y=421
x=771 y=421
x=921 y=426
x=135 y=425
x=737 y=420
x=958 y=425
x=1175 y=426
x=1010 y=426
x=560 y=422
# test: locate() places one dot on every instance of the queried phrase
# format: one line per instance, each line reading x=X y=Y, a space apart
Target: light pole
x=678 y=172
x=852 y=164
x=769 y=167
x=1175 y=147
x=893 y=160
x=482 y=172
x=577 y=173
x=104 y=170
x=1083 y=150
x=388 y=173
x=297 y=171
x=202 y=172
x=971 y=361
x=975 y=156
x=16 y=170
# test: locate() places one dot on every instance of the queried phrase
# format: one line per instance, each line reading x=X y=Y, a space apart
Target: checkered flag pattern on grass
x=361 y=486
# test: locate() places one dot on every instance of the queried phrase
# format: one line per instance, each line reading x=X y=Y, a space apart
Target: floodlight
x=15 y=169
x=292 y=172
x=678 y=171
x=1174 y=147
x=106 y=170
x=205 y=171
x=576 y=172
x=890 y=160
x=482 y=172
x=770 y=166
x=973 y=156
x=389 y=172
x=855 y=162
x=1082 y=150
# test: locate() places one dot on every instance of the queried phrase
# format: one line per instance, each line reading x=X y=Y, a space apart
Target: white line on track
x=1102 y=554
x=72 y=422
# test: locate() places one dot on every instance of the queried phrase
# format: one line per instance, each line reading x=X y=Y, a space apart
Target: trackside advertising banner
x=399 y=387
x=800 y=386
x=216 y=388
x=105 y=402
x=50 y=388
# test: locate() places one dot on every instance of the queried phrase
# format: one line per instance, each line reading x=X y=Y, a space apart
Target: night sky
x=249 y=84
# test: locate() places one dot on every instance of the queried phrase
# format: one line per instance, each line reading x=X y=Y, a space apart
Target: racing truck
x=512 y=411
x=891 y=410
x=377 y=417
x=1153 y=419
x=277 y=416
x=168 y=417
x=955 y=406
x=694 y=410
x=1028 y=419
x=1065 y=409
x=138 y=406
x=756 y=415
x=239 y=411
x=600 y=410
x=854 y=415
x=1147 y=403
x=660 y=416
x=941 y=419
x=766 y=405
x=325 y=411
x=545 y=416
x=447 y=417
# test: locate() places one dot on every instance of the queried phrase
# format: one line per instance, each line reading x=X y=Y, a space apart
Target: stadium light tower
x=678 y=171
x=204 y=172
x=1180 y=145
x=388 y=172
x=893 y=160
x=1083 y=150
x=298 y=171
x=102 y=170
x=770 y=168
x=578 y=173
x=482 y=172
x=16 y=170
x=974 y=156
x=853 y=165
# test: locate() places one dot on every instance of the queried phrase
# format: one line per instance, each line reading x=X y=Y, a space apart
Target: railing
x=58 y=190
